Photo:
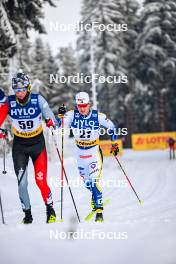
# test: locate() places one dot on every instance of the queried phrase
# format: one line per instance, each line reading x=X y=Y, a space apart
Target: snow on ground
x=142 y=234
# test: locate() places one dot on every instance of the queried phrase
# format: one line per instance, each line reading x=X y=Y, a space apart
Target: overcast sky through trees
x=65 y=13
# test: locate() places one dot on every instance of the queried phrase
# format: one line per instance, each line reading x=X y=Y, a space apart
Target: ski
x=93 y=212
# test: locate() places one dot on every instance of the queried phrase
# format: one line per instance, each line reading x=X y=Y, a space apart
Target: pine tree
x=42 y=65
x=24 y=54
x=50 y=67
x=131 y=17
x=68 y=68
x=17 y=17
x=38 y=60
x=106 y=47
x=7 y=34
x=84 y=42
x=64 y=89
x=156 y=47
x=113 y=56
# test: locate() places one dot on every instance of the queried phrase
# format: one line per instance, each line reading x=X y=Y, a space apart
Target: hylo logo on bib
x=23 y=111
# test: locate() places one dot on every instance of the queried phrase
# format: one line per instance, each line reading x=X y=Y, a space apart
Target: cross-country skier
x=26 y=110
x=85 y=123
x=171 y=142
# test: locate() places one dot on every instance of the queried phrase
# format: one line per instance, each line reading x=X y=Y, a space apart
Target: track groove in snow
x=151 y=227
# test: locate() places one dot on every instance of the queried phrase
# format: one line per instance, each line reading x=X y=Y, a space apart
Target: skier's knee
x=22 y=187
x=87 y=183
x=40 y=184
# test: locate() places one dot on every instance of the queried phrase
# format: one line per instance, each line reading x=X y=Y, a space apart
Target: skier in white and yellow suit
x=85 y=124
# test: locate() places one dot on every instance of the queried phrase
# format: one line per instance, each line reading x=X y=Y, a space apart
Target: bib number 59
x=26 y=124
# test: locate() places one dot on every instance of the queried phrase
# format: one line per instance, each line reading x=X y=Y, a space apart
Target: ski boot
x=99 y=215
x=28 y=217
x=98 y=211
x=50 y=213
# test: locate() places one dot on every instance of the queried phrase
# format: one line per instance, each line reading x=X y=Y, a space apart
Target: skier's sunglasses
x=82 y=105
x=17 y=90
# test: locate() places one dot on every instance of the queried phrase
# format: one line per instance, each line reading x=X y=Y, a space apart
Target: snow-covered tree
x=156 y=48
x=65 y=88
x=104 y=45
x=7 y=34
x=113 y=53
x=69 y=68
x=24 y=54
x=17 y=17
x=131 y=18
x=42 y=65
x=50 y=67
x=38 y=60
x=84 y=41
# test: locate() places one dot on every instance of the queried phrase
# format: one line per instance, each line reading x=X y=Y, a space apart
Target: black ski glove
x=115 y=149
x=62 y=110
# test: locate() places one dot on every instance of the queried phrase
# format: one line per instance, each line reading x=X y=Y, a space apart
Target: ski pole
x=4 y=151
x=62 y=171
x=4 y=156
x=140 y=201
x=2 y=214
x=66 y=176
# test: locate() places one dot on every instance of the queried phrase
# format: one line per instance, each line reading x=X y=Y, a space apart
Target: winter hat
x=82 y=98
x=21 y=80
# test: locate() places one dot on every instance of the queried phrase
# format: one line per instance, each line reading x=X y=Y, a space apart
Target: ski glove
x=3 y=133
x=49 y=123
x=115 y=149
x=62 y=110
